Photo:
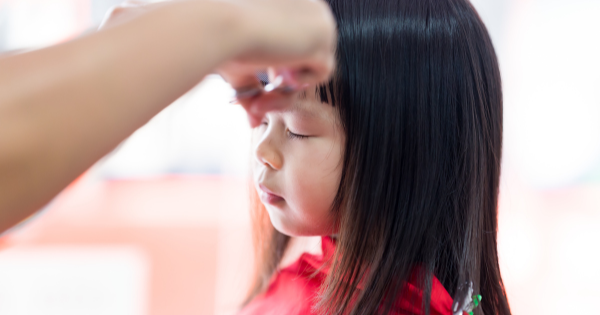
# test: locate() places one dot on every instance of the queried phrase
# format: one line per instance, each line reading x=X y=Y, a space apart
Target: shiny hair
x=418 y=91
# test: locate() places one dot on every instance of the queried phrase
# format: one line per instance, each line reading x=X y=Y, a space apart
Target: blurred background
x=160 y=226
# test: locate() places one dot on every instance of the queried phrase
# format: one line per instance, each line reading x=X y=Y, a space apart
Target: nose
x=267 y=153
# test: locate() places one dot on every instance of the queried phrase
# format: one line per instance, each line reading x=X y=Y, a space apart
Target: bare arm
x=64 y=107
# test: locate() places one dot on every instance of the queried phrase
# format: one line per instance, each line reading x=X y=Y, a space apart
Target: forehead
x=309 y=105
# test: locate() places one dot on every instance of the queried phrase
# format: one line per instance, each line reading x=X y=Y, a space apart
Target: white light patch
x=35 y=23
x=69 y=280
x=553 y=107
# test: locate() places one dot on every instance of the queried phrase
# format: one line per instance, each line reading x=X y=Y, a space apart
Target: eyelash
x=290 y=134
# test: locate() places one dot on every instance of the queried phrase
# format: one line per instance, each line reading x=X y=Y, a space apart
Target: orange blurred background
x=160 y=226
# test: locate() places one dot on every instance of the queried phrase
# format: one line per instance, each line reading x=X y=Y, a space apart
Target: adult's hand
x=294 y=40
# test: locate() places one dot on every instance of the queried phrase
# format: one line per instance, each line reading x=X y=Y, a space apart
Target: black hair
x=418 y=90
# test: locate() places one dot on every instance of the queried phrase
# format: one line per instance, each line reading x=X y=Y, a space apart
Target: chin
x=290 y=227
x=284 y=227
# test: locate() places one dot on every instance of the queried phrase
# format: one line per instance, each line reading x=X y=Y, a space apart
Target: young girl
x=395 y=163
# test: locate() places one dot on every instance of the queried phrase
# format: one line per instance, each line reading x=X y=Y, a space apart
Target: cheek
x=316 y=177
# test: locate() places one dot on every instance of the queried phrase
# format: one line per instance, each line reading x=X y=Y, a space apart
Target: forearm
x=63 y=108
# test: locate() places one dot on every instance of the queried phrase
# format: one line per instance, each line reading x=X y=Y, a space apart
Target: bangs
x=324 y=92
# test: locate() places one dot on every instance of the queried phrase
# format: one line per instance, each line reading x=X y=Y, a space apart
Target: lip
x=267 y=196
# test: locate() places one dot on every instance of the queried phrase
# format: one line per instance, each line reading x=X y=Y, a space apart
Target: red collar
x=410 y=301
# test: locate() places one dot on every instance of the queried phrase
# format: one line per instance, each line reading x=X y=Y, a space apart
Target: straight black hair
x=419 y=95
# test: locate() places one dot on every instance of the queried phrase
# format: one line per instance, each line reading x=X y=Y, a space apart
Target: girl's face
x=298 y=165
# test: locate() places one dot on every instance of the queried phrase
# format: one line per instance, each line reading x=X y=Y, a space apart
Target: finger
x=316 y=72
x=254 y=120
x=257 y=107
x=255 y=116
x=283 y=80
x=312 y=72
x=239 y=76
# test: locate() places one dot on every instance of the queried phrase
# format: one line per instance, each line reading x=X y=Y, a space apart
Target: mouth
x=267 y=196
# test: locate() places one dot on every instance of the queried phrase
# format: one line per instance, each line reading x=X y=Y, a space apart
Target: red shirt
x=293 y=290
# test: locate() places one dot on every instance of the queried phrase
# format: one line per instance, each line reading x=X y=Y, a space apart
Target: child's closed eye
x=292 y=135
x=289 y=133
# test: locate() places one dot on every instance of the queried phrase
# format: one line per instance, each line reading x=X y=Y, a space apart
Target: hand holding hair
x=64 y=107
x=295 y=41
x=296 y=45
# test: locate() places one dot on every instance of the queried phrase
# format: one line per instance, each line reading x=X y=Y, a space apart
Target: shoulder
x=293 y=291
